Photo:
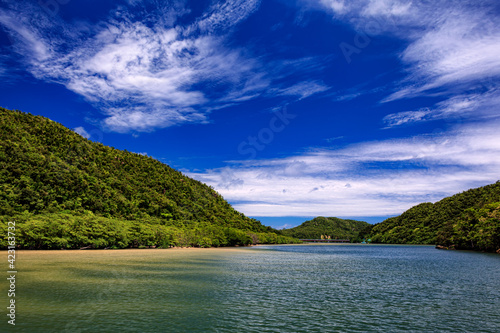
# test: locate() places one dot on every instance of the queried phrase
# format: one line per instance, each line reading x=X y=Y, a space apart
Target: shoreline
x=128 y=250
x=221 y=248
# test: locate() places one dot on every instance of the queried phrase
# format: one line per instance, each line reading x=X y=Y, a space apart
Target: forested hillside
x=332 y=227
x=468 y=220
x=58 y=185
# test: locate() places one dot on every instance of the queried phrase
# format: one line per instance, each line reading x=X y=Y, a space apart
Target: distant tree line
x=329 y=228
x=86 y=230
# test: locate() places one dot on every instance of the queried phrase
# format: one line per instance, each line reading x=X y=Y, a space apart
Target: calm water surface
x=305 y=288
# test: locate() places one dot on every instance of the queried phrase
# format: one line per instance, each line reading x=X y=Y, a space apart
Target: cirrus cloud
x=142 y=69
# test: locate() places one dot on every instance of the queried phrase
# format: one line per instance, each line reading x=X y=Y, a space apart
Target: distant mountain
x=328 y=227
x=50 y=173
x=468 y=220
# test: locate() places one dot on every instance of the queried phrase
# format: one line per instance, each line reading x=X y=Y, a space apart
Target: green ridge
x=66 y=191
x=325 y=227
x=468 y=220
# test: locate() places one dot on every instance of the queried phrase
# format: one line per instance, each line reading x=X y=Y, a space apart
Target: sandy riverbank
x=133 y=253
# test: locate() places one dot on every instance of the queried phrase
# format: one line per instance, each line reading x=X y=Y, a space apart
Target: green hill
x=325 y=227
x=468 y=220
x=66 y=191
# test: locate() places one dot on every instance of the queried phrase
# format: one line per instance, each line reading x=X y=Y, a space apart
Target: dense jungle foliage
x=468 y=220
x=65 y=191
x=329 y=227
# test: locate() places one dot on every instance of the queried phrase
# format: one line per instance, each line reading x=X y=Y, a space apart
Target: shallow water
x=304 y=288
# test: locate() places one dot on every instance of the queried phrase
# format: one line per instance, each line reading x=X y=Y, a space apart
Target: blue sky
x=290 y=109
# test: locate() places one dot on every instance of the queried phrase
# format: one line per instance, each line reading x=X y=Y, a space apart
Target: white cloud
x=474 y=105
x=449 y=42
x=337 y=6
x=392 y=8
x=405 y=117
x=143 y=75
x=145 y=71
x=369 y=179
x=31 y=40
x=458 y=49
x=358 y=9
x=80 y=130
x=347 y=97
x=304 y=89
x=452 y=52
x=226 y=14
x=285 y=226
x=145 y=119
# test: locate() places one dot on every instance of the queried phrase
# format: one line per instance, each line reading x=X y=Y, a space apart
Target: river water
x=296 y=288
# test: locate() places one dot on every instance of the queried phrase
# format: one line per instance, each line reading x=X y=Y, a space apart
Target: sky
x=290 y=109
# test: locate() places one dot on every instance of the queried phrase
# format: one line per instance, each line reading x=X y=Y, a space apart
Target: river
x=296 y=288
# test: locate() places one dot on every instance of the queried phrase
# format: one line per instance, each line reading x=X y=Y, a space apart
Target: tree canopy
x=48 y=170
x=328 y=227
x=468 y=220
